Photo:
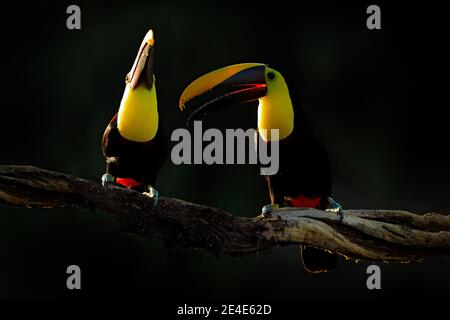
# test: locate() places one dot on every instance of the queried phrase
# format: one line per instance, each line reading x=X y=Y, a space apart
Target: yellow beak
x=237 y=83
x=142 y=69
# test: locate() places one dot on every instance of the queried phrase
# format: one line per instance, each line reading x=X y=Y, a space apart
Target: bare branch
x=385 y=235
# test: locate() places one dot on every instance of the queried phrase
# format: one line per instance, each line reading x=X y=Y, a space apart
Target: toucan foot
x=335 y=207
x=107 y=180
x=269 y=208
x=154 y=194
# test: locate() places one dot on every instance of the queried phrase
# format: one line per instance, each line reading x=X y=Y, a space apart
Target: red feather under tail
x=128 y=182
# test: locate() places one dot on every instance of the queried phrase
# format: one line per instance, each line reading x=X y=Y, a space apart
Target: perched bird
x=304 y=175
x=132 y=143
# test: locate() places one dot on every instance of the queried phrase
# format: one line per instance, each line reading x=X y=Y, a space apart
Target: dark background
x=368 y=92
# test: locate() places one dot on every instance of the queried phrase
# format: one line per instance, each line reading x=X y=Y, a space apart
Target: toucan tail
x=316 y=260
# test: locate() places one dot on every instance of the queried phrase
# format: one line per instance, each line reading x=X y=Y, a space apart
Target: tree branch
x=387 y=235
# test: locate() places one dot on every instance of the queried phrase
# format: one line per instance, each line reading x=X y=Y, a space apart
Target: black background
x=368 y=92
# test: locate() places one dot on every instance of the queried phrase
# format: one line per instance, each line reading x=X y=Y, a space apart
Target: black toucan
x=304 y=175
x=132 y=143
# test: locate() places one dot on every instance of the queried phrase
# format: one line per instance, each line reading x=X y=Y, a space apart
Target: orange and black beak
x=234 y=84
x=142 y=70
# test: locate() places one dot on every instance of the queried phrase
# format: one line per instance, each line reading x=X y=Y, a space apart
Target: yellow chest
x=275 y=111
x=138 y=114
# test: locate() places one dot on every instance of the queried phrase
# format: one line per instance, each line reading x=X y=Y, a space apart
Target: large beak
x=142 y=69
x=234 y=84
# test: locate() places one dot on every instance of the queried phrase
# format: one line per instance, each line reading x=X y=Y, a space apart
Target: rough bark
x=383 y=235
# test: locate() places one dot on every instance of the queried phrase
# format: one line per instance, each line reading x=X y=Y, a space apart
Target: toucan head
x=138 y=114
x=242 y=83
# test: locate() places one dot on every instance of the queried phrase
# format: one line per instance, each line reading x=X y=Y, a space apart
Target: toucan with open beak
x=132 y=143
x=304 y=175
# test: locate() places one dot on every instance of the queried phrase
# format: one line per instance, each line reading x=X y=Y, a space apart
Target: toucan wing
x=109 y=140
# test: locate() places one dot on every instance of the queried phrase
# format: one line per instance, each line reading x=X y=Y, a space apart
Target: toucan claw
x=107 y=180
x=268 y=209
x=335 y=207
x=154 y=194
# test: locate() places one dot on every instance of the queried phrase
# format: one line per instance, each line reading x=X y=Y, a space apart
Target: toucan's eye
x=127 y=79
x=271 y=75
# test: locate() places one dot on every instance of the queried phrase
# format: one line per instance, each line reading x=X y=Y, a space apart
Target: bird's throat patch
x=275 y=111
x=138 y=114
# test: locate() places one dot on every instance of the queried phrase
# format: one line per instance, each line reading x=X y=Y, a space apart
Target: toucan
x=133 y=146
x=304 y=175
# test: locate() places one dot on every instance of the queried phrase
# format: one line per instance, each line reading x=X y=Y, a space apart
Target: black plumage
x=140 y=161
